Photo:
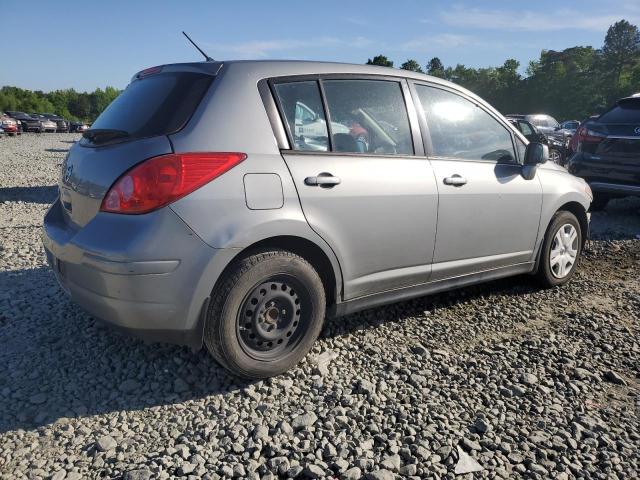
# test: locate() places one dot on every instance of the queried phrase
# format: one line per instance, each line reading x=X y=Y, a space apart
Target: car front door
x=361 y=186
x=488 y=214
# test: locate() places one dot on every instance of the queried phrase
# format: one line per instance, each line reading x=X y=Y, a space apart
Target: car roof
x=282 y=68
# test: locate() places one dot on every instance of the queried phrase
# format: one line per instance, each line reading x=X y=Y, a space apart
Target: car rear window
x=159 y=104
x=627 y=113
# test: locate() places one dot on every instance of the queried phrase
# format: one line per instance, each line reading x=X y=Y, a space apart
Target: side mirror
x=536 y=154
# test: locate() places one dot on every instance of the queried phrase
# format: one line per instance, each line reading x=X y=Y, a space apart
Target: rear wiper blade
x=104 y=134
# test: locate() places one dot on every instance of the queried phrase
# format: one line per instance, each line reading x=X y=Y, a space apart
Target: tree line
x=72 y=105
x=569 y=84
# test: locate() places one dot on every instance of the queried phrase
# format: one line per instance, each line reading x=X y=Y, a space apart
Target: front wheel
x=265 y=314
x=561 y=250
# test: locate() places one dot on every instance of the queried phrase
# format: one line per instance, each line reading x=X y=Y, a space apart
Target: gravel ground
x=502 y=378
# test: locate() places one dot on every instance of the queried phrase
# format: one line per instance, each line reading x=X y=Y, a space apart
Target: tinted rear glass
x=157 y=105
x=629 y=113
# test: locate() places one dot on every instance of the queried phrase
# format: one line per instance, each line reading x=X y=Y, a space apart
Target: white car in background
x=47 y=124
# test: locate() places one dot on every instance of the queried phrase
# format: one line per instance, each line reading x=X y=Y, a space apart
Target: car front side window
x=460 y=129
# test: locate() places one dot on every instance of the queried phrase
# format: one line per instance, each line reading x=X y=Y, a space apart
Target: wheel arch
x=577 y=209
x=328 y=270
x=581 y=214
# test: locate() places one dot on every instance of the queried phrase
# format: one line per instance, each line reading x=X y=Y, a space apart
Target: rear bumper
x=620 y=177
x=149 y=275
x=615 y=188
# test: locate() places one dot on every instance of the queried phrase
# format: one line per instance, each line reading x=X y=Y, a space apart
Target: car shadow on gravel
x=39 y=194
x=58 y=362
x=56 y=150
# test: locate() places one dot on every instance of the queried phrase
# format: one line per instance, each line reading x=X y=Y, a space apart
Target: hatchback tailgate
x=88 y=172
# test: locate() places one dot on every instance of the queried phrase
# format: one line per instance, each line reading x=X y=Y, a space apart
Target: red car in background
x=580 y=132
x=9 y=125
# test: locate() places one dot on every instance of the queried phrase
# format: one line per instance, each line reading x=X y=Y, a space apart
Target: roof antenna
x=207 y=57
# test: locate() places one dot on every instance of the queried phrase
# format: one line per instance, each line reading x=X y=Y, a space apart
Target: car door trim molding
x=429 y=288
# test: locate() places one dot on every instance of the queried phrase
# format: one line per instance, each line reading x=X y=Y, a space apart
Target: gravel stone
x=305 y=420
x=139 y=474
x=613 y=377
x=354 y=473
x=106 y=443
x=527 y=382
x=380 y=475
x=466 y=463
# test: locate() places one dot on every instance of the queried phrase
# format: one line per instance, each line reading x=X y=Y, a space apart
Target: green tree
x=412 y=66
x=436 y=68
x=621 y=51
x=381 y=61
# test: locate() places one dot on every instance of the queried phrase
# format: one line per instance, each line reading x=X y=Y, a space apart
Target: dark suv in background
x=608 y=152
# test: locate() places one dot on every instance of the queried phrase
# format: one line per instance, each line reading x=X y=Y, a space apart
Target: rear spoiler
x=633 y=100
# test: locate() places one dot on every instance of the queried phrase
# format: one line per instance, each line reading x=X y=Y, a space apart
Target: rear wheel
x=265 y=314
x=561 y=250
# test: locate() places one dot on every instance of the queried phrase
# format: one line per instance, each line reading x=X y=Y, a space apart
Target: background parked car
x=557 y=143
x=608 y=153
x=47 y=125
x=569 y=127
x=78 y=127
x=9 y=125
x=27 y=122
x=573 y=143
x=61 y=124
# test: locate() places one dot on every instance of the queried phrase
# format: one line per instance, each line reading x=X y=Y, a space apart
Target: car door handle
x=323 y=179
x=455 y=180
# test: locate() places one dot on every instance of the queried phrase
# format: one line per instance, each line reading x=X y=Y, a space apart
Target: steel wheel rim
x=273 y=318
x=554 y=156
x=564 y=251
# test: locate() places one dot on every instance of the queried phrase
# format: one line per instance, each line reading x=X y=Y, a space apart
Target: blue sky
x=84 y=45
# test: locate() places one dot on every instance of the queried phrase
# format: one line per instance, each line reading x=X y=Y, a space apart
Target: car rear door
x=361 y=186
x=488 y=214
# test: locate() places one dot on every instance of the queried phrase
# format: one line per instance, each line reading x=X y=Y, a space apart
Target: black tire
x=545 y=273
x=599 y=202
x=237 y=330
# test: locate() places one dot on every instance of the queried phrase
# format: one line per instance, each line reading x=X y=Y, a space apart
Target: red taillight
x=585 y=134
x=159 y=181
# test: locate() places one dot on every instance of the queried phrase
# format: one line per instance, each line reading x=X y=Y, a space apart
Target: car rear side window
x=301 y=105
x=368 y=117
x=159 y=104
x=627 y=113
x=460 y=129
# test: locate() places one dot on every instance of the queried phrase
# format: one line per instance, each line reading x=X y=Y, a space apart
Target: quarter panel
x=559 y=187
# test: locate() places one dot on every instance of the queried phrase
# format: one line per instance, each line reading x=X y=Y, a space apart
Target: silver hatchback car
x=240 y=203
